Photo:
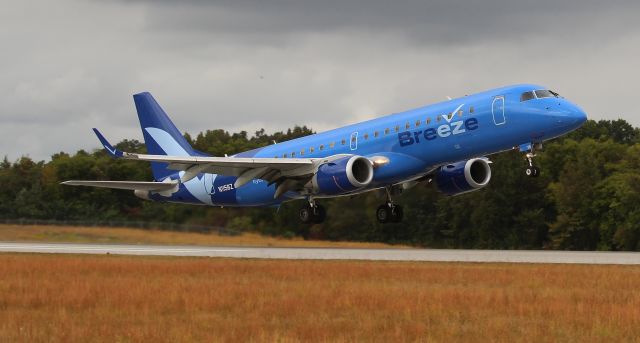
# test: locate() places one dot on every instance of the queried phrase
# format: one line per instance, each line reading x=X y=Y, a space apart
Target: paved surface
x=435 y=255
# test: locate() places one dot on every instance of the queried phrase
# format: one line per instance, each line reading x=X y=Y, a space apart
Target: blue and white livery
x=446 y=143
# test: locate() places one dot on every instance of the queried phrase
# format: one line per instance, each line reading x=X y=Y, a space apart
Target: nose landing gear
x=531 y=170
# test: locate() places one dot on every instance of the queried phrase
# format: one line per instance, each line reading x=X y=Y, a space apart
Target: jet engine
x=343 y=175
x=464 y=176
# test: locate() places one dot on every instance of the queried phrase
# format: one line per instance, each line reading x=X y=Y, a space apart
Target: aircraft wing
x=246 y=169
x=130 y=185
x=273 y=170
x=222 y=165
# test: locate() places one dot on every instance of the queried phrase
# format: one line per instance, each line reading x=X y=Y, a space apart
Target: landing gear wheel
x=312 y=214
x=306 y=214
x=383 y=213
x=532 y=171
x=389 y=213
x=396 y=213
x=319 y=213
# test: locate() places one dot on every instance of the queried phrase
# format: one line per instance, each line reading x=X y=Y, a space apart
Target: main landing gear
x=389 y=212
x=312 y=213
x=531 y=170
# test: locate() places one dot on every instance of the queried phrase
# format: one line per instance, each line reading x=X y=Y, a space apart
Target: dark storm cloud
x=428 y=21
x=71 y=65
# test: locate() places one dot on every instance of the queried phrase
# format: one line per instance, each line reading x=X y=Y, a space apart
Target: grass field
x=120 y=298
x=74 y=234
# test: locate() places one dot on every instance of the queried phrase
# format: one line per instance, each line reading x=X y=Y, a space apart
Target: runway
x=430 y=255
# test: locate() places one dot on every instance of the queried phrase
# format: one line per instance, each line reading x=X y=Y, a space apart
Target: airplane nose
x=578 y=115
x=568 y=116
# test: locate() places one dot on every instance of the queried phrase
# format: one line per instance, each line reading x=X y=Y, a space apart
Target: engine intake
x=464 y=176
x=343 y=175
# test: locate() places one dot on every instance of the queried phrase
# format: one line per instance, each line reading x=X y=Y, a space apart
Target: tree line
x=586 y=198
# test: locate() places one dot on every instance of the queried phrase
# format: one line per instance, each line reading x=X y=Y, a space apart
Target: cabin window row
x=377 y=134
x=312 y=149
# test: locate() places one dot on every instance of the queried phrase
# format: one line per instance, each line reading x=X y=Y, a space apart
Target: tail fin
x=160 y=135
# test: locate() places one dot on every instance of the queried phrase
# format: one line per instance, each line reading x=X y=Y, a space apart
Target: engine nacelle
x=343 y=175
x=464 y=176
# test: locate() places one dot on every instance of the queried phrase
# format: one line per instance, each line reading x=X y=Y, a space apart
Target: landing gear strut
x=312 y=213
x=389 y=212
x=531 y=170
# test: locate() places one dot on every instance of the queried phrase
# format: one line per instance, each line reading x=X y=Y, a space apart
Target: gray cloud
x=73 y=65
x=428 y=21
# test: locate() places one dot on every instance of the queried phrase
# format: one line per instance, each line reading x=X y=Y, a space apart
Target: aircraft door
x=497 y=108
x=353 y=142
x=208 y=180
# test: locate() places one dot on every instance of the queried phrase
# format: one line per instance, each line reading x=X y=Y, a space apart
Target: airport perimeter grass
x=70 y=298
x=74 y=234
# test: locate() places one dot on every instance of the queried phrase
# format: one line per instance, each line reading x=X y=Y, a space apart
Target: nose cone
x=569 y=116
x=579 y=116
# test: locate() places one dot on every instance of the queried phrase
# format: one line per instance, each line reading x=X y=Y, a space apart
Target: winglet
x=113 y=152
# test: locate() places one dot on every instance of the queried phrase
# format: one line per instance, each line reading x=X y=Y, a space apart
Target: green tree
x=588 y=163
x=586 y=197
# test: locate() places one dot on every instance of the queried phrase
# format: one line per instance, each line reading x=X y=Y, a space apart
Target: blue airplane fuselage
x=412 y=143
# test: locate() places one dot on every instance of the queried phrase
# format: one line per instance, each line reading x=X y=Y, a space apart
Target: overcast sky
x=67 y=66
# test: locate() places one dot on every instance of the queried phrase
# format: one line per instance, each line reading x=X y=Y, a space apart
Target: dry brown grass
x=73 y=234
x=119 y=298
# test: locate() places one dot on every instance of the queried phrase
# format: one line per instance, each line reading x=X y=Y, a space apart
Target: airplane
x=445 y=144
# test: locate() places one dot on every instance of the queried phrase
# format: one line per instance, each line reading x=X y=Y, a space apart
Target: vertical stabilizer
x=160 y=135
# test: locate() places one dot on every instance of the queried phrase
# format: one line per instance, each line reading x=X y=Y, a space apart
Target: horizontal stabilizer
x=130 y=185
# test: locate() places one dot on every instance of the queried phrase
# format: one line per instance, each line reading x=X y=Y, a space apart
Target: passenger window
x=353 y=138
x=428 y=121
x=438 y=118
x=332 y=144
x=284 y=155
x=302 y=152
x=311 y=149
x=471 y=110
x=386 y=131
x=366 y=136
x=407 y=126
x=397 y=128
x=321 y=146
x=460 y=113
x=526 y=96
x=417 y=123
x=344 y=141
x=293 y=154
x=375 y=134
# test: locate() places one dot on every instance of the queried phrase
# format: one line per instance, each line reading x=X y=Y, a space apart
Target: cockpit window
x=544 y=93
x=526 y=96
x=540 y=93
